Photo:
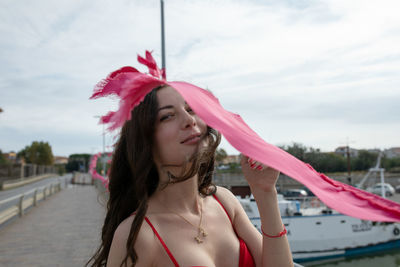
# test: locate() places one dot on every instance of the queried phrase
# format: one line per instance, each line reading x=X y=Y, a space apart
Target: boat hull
x=329 y=236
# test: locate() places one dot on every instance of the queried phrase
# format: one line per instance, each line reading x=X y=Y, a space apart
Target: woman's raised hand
x=258 y=175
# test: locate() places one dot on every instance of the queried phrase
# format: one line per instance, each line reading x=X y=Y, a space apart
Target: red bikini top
x=245 y=257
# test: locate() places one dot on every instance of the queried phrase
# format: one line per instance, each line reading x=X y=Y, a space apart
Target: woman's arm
x=275 y=250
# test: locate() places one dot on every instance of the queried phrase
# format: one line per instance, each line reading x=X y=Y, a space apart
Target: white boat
x=317 y=233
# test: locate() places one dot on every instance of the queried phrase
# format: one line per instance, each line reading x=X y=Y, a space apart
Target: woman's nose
x=189 y=120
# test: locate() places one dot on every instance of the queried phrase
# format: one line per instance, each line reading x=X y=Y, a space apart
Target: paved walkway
x=63 y=230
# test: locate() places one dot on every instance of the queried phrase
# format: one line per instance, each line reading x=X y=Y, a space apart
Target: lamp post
x=162 y=37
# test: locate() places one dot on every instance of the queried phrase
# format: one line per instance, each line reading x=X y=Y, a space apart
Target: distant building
x=342 y=150
x=60 y=160
x=374 y=150
x=11 y=157
x=393 y=152
x=231 y=159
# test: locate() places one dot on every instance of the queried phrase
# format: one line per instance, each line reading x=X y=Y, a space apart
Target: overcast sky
x=314 y=72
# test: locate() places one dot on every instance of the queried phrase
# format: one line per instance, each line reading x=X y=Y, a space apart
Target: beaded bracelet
x=275 y=236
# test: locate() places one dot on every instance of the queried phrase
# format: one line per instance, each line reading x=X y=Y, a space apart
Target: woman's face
x=178 y=130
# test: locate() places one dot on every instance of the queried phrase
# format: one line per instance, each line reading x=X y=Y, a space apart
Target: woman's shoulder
x=143 y=245
x=123 y=229
x=145 y=236
x=224 y=193
x=228 y=200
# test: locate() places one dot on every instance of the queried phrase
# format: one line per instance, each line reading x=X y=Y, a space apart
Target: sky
x=319 y=73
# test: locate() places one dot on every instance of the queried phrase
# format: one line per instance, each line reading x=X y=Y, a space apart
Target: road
x=23 y=189
x=19 y=190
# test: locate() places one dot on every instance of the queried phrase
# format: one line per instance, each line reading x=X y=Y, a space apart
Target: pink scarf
x=132 y=86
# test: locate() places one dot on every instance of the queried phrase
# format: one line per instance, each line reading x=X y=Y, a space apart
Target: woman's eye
x=166 y=116
x=189 y=110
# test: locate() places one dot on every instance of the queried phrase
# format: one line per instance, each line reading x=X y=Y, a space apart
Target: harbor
x=389 y=258
x=321 y=236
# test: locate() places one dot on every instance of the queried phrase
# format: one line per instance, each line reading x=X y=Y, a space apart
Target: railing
x=82 y=179
x=307 y=202
x=17 y=205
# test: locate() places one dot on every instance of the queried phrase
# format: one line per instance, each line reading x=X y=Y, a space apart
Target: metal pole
x=383 y=184
x=162 y=37
x=104 y=149
x=348 y=166
x=104 y=152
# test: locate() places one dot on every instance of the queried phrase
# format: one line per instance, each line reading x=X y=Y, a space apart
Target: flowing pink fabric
x=132 y=86
x=94 y=173
x=341 y=197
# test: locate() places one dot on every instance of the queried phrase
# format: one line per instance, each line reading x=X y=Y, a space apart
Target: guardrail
x=28 y=199
x=9 y=184
x=82 y=179
x=307 y=202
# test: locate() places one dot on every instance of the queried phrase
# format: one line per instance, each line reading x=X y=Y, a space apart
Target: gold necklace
x=200 y=230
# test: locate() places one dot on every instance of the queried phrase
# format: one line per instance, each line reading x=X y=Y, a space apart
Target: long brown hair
x=134 y=178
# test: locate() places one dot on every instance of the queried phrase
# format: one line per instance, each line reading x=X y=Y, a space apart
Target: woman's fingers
x=255 y=164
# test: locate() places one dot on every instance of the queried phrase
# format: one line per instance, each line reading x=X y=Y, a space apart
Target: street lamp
x=162 y=38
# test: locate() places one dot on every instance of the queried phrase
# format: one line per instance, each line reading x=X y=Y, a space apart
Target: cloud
x=307 y=71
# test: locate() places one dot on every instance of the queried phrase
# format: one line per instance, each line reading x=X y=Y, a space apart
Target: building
x=11 y=157
x=60 y=160
x=342 y=150
x=393 y=152
x=231 y=159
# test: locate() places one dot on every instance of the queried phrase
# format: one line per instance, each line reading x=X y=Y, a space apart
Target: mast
x=349 y=179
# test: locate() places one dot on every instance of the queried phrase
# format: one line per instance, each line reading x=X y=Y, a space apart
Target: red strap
x=162 y=243
x=245 y=257
x=216 y=198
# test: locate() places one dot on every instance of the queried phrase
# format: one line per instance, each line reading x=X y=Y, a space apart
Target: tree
x=3 y=160
x=391 y=164
x=37 y=153
x=220 y=155
x=72 y=166
x=321 y=162
x=78 y=162
x=364 y=161
x=297 y=150
x=330 y=162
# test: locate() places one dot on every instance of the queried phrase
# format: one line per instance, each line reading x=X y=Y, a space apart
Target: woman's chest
x=215 y=245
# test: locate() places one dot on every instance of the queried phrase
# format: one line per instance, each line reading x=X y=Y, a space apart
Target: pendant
x=202 y=232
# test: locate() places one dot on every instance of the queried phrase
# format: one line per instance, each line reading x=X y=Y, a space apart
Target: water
x=388 y=259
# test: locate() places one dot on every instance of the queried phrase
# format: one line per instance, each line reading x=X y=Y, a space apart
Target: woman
x=163 y=208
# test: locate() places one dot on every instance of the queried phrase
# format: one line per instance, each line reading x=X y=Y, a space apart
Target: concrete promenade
x=64 y=230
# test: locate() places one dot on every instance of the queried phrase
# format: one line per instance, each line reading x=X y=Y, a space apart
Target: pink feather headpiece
x=131 y=86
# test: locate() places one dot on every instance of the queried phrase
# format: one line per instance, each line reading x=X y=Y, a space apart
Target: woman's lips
x=192 y=140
